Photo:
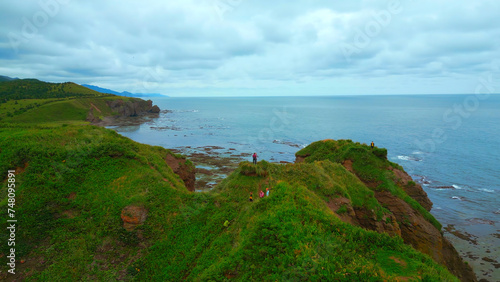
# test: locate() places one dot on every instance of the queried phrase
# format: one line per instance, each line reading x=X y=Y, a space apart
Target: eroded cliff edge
x=408 y=217
x=118 y=111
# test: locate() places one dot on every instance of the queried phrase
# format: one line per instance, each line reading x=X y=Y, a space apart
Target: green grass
x=36 y=89
x=16 y=107
x=35 y=102
x=370 y=165
x=77 y=179
x=56 y=111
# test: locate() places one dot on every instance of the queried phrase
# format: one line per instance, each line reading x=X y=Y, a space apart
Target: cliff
x=121 y=109
x=97 y=206
x=30 y=101
x=183 y=168
x=396 y=191
x=133 y=108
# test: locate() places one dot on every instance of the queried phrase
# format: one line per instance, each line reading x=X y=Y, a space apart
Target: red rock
x=183 y=170
x=133 y=216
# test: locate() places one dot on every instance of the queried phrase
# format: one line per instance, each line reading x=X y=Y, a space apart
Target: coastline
x=194 y=123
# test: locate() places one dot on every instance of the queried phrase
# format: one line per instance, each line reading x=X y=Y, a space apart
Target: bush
x=380 y=153
x=249 y=169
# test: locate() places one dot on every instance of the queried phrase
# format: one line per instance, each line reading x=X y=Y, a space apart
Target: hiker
x=267 y=192
x=254 y=156
x=251 y=197
x=372 y=145
x=261 y=194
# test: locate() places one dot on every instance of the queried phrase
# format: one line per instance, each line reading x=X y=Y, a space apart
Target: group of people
x=261 y=194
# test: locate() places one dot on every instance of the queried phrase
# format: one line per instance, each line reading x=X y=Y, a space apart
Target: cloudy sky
x=255 y=47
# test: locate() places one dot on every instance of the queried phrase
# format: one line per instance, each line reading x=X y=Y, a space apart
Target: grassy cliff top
x=35 y=89
x=94 y=205
x=76 y=185
x=30 y=101
x=370 y=165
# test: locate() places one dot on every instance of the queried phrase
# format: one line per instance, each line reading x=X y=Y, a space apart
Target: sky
x=256 y=47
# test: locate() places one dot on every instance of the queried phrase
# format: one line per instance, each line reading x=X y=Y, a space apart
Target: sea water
x=448 y=143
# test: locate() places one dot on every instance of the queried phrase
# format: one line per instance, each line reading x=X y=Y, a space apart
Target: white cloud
x=253 y=47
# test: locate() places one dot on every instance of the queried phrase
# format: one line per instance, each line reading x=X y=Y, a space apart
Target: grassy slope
x=60 y=111
x=69 y=199
x=79 y=178
x=370 y=165
x=36 y=89
x=33 y=101
x=73 y=182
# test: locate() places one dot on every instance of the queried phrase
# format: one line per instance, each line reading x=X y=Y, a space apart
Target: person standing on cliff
x=254 y=156
x=261 y=194
x=372 y=145
x=251 y=197
x=267 y=192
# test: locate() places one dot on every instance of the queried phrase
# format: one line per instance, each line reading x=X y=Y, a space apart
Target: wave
x=185 y=111
x=288 y=143
x=457 y=187
x=422 y=180
x=417 y=153
x=487 y=190
x=458 y=198
x=409 y=158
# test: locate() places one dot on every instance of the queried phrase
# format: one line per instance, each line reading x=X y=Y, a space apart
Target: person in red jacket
x=254 y=156
x=261 y=194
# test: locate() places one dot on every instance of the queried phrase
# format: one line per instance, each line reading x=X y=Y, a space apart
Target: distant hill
x=33 y=101
x=17 y=89
x=124 y=93
x=6 y=78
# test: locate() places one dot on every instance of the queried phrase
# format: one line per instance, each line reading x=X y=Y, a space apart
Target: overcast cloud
x=254 y=47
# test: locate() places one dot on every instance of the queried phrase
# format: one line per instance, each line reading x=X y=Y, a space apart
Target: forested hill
x=33 y=101
x=35 y=89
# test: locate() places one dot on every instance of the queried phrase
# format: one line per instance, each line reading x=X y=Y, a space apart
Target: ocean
x=450 y=144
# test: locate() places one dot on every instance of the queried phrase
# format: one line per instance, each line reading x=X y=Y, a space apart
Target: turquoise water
x=448 y=143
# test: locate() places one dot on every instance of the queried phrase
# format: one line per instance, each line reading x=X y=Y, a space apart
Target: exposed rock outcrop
x=411 y=188
x=425 y=237
x=403 y=220
x=129 y=112
x=368 y=219
x=300 y=159
x=133 y=216
x=133 y=108
x=184 y=169
x=342 y=207
x=92 y=118
x=362 y=217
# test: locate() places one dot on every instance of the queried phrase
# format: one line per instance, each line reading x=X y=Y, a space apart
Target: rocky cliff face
x=122 y=111
x=425 y=237
x=404 y=221
x=411 y=188
x=414 y=228
x=133 y=108
x=183 y=168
